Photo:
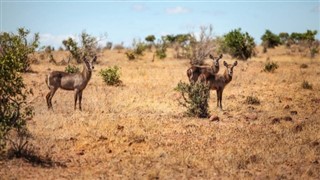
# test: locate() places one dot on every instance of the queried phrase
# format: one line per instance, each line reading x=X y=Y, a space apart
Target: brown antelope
x=194 y=71
x=72 y=82
x=219 y=81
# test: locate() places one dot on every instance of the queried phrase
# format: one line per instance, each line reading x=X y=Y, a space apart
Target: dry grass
x=138 y=130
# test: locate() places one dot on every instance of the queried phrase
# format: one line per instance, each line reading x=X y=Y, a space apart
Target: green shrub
x=270 y=40
x=238 y=45
x=111 y=76
x=306 y=85
x=270 y=67
x=195 y=98
x=14 y=110
x=71 y=69
x=252 y=100
x=161 y=49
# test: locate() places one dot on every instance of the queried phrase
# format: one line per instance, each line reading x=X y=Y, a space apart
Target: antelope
x=194 y=71
x=76 y=82
x=219 y=81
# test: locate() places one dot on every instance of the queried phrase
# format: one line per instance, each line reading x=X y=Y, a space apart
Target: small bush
x=252 y=100
x=306 y=85
x=195 y=98
x=111 y=76
x=71 y=69
x=270 y=67
x=130 y=55
x=303 y=66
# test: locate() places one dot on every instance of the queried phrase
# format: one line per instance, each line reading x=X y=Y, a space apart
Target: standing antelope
x=72 y=82
x=219 y=81
x=194 y=71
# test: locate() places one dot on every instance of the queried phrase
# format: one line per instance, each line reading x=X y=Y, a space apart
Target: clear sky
x=123 y=21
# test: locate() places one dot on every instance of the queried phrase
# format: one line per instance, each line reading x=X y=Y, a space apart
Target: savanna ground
x=139 y=130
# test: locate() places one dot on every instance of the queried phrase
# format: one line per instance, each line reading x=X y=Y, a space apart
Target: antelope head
x=215 y=59
x=230 y=67
x=89 y=63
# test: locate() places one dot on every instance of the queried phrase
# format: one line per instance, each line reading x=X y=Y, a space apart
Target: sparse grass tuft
x=306 y=85
x=270 y=67
x=252 y=100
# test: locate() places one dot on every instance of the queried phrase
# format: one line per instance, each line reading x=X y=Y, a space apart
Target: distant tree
x=150 y=39
x=270 y=40
x=284 y=37
x=238 y=45
x=108 y=45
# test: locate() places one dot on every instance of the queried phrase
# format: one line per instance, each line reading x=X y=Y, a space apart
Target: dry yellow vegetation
x=138 y=130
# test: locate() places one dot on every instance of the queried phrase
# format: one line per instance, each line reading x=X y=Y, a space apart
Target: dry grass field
x=139 y=131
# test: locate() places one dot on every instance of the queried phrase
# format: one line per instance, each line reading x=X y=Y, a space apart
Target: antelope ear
x=225 y=63
x=211 y=57
x=235 y=63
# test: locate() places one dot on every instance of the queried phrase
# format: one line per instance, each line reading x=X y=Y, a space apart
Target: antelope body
x=219 y=81
x=76 y=82
x=194 y=71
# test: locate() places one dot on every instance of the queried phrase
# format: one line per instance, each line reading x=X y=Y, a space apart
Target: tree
x=238 y=45
x=14 y=110
x=150 y=39
x=202 y=46
x=284 y=37
x=88 y=47
x=270 y=40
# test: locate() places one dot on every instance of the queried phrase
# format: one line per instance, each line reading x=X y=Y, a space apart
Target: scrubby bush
x=71 y=69
x=306 y=85
x=270 y=67
x=14 y=110
x=238 y=45
x=195 y=98
x=111 y=76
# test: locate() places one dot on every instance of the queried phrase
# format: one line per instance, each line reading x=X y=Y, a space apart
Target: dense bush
x=111 y=76
x=14 y=110
x=270 y=67
x=238 y=45
x=71 y=69
x=195 y=98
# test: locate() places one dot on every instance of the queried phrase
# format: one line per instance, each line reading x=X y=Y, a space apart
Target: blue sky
x=125 y=20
